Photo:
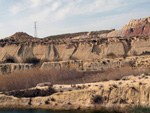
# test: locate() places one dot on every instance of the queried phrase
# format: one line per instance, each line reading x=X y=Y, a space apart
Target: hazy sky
x=66 y=16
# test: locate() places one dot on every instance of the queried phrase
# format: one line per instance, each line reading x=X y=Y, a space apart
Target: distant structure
x=35 y=30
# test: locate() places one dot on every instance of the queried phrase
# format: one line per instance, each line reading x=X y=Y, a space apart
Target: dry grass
x=116 y=74
x=30 y=78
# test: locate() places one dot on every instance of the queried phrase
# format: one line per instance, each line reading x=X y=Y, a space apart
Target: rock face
x=19 y=37
x=136 y=27
x=132 y=40
x=88 y=49
x=87 y=65
x=8 y=68
x=81 y=65
x=127 y=92
x=98 y=64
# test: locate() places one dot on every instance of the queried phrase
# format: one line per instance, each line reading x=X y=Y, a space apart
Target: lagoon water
x=47 y=111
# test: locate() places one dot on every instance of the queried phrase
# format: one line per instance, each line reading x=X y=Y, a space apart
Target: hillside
x=106 y=69
x=136 y=27
x=18 y=37
x=132 y=40
x=80 y=34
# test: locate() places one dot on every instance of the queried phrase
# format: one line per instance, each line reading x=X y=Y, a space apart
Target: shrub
x=73 y=58
x=118 y=73
x=105 y=79
x=31 y=92
x=111 y=55
x=32 y=60
x=97 y=99
x=140 y=109
x=10 y=59
x=28 y=79
x=38 y=65
x=145 y=53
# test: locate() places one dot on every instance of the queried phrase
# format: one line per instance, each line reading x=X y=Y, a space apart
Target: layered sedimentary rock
x=90 y=49
x=98 y=64
x=8 y=68
x=133 y=39
x=136 y=27
x=125 y=93
x=81 y=65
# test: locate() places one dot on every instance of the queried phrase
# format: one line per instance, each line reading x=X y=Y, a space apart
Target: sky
x=68 y=16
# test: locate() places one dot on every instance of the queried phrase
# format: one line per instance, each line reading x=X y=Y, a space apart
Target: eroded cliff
x=89 y=49
x=125 y=93
x=134 y=40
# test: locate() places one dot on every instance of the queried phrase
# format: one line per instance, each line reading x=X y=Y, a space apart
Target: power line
x=35 y=30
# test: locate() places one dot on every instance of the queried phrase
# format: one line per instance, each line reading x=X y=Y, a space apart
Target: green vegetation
x=140 y=109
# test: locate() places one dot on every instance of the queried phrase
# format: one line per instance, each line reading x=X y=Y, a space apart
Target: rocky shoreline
x=125 y=93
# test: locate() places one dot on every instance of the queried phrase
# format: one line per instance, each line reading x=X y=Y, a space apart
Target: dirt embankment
x=125 y=93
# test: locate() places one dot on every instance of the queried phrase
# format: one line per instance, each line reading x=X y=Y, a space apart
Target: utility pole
x=35 y=30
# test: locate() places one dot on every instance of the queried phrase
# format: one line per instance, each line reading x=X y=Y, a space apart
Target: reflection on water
x=47 y=111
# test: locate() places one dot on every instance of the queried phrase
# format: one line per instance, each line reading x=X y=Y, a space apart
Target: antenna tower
x=35 y=30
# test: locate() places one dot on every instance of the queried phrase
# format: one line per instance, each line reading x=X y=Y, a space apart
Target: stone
x=44 y=84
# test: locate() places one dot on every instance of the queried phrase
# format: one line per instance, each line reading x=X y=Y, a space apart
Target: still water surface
x=41 y=111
